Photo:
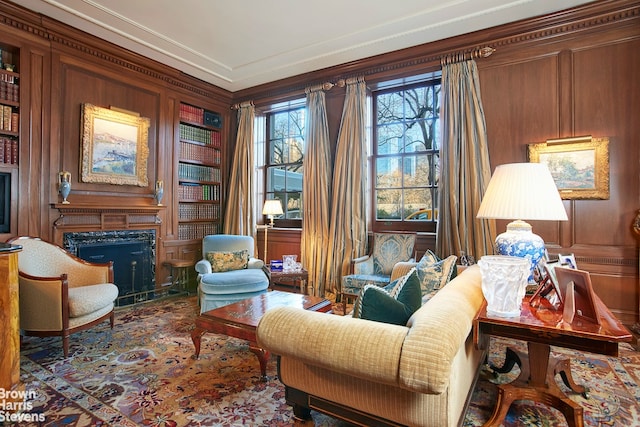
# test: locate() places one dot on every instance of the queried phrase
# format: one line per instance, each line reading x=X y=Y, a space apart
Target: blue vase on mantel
x=520 y=241
x=64 y=186
x=159 y=192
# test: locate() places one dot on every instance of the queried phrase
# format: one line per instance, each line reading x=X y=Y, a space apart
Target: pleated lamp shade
x=522 y=191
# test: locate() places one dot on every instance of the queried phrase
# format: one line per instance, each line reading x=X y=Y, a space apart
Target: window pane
x=388 y=173
x=390 y=139
x=416 y=135
x=417 y=204
x=416 y=171
x=294 y=178
x=279 y=125
x=276 y=155
x=294 y=149
x=294 y=206
x=389 y=204
x=389 y=107
x=275 y=179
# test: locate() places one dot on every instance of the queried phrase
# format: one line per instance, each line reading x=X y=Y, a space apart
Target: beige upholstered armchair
x=61 y=294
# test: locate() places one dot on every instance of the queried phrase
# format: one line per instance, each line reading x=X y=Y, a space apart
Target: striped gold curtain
x=466 y=171
x=239 y=216
x=348 y=228
x=315 y=187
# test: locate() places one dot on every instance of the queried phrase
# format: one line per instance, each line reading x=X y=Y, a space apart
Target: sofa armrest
x=342 y=344
x=203 y=267
x=255 y=263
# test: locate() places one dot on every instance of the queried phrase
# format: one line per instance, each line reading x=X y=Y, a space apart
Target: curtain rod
x=242 y=105
x=325 y=86
x=480 y=52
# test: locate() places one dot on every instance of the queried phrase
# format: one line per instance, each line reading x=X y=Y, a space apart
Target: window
x=284 y=163
x=406 y=159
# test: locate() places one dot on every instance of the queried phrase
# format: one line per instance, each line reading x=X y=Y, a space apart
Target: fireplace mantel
x=92 y=217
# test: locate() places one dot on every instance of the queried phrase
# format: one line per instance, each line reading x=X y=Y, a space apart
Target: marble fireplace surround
x=128 y=235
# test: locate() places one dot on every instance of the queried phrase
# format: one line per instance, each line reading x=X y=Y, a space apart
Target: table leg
x=536 y=382
x=196 y=336
x=263 y=357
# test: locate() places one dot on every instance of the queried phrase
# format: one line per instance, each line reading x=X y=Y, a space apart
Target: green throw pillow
x=395 y=306
x=227 y=261
x=434 y=272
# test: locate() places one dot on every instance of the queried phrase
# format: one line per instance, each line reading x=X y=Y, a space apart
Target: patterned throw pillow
x=393 y=304
x=227 y=261
x=434 y=272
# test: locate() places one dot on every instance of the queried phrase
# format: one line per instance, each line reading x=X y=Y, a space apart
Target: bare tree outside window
x=285 y=160
x=406 y=153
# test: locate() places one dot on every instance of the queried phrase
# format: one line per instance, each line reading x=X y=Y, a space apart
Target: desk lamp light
x=270 y=209
x=522 y=191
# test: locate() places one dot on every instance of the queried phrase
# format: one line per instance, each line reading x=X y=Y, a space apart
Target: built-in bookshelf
x=9 y=107
x=199 y=174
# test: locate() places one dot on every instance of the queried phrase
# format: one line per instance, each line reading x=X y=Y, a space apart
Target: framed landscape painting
x=579 y=166
x=114 y=147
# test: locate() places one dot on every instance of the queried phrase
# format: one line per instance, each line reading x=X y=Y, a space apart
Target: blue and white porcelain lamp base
x=520 y=241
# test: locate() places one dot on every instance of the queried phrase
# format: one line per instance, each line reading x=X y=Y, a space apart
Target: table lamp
x=522 y=191
x=270 y=209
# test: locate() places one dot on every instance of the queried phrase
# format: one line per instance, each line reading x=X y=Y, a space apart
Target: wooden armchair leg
x=112 y=319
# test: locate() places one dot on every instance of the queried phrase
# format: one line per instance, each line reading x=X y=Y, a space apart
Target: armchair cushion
x=87 y=299
x=234 y=282
x=394 y=304
x=228 y=260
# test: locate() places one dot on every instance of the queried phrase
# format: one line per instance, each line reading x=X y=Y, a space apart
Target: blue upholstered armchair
x=229 y=272
x=375 y=268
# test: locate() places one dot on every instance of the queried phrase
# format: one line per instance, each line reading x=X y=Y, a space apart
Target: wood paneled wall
x=61 y=69
x=566 y=74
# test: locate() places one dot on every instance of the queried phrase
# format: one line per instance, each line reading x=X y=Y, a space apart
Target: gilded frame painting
x=115 y=147
x=579 y=166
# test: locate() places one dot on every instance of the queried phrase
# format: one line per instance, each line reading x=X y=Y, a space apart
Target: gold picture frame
x=579 y=166
x=115 y=147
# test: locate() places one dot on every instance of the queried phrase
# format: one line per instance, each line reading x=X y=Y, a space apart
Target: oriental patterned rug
x=142 y=374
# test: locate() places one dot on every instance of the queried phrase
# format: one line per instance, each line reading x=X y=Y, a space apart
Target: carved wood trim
x=106 y=217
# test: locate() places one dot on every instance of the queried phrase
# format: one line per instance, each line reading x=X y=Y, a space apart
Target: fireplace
x=133 y=253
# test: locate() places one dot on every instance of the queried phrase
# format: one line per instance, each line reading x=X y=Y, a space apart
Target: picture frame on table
x=577 y=295
x=567 y=260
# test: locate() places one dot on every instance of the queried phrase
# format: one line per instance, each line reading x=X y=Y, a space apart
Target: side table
x=179 y=270
x=541 y=327
x=296 y=279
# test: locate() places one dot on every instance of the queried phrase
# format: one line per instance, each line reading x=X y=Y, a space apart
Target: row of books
x=198 y=173
x=9 y=91
x=192 y=114
x=9 y=120
x=204 y=136
x=200 y=153
x=9 y=151
x=197 y=230
x=199 y=192
x=190 y=211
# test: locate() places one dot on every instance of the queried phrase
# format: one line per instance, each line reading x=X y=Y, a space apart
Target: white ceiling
x=236 y=44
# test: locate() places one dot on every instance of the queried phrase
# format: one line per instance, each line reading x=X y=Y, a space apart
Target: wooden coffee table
x=240 y=319
x=542 y=327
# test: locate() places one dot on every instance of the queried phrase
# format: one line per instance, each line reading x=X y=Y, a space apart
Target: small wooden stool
x=179 y=273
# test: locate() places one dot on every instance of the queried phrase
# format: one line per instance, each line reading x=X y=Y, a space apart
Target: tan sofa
x=374 y=373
